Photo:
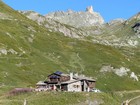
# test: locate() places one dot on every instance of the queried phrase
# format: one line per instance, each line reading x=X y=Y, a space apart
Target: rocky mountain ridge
x=77 y=19
x=103 y=33
x=53 y=25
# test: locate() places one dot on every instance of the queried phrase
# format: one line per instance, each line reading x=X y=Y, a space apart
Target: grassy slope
x=68 y=98
x=51 y=51
x=62 y=98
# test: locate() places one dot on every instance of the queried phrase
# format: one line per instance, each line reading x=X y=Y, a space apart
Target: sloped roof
x=76 y=77
x=59 y=73
x=40 y=83
x=83 y=78
x=70 y=81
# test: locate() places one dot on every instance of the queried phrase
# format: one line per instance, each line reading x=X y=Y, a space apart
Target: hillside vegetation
x=29 y=52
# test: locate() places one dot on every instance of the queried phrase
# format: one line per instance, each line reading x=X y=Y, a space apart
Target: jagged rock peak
x=137 y=16
x=77 y=19
x=89 y=9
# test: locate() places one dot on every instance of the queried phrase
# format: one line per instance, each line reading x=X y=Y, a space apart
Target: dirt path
x=132 y=91
x=132 y=99
x=127 y=102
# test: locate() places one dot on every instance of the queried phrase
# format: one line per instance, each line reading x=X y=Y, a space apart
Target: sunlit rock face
x=77 y=19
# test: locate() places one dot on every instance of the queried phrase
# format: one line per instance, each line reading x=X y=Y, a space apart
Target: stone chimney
x=89 y=9
x=71 y=76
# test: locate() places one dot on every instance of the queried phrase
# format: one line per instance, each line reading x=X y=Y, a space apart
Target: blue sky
x=109 y=9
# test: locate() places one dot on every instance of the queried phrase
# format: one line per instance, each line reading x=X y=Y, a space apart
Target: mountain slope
x=116 y=33
x=53 y=25
x=29 y=52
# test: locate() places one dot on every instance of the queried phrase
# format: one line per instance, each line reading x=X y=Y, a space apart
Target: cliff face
x=77 y=19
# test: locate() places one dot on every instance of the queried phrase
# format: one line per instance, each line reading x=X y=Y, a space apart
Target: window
x=76 y=86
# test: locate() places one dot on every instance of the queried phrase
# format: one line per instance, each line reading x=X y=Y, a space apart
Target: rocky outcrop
x=133 y=18
x=77 y=19
x=53 y=25
x=88 y=25
x=34 y=16
x=118 y=71
x=136 y=28
x=123 y=71
x=116 y=21
x=89 y=9
x=137 y=17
